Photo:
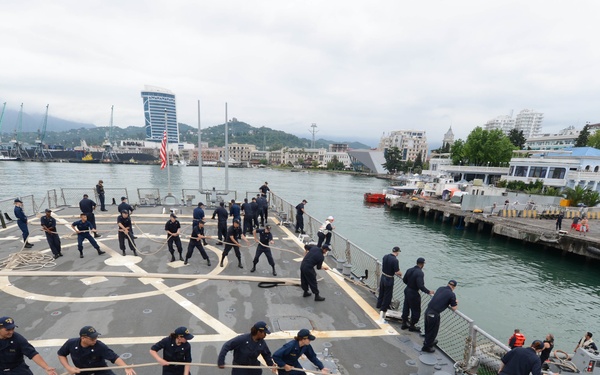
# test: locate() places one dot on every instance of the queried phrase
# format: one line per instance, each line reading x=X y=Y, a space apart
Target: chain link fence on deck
x=473 y=349
x=7 y=208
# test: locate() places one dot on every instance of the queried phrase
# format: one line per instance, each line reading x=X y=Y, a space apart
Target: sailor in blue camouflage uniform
x=390 y=268
x=83 y=229
x=414 y=278
x=288 y=355
x=443 y=299
x=87 y=351
x=87 y=206
x=176 y=348
x=246 y=349
x=126 y=206
x=13 y=349
x=264 y=237
x=235 y=211
x=234 y=233
x=22 y=221
x=49 y=227
x=198 y=214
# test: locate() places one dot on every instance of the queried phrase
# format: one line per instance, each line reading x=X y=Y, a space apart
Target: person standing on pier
x=325 y=231
x=522 y=361
x=176 y=348
x=264 y=237
x=575 y=223
x=315 y=257
x=585 y=226
x=22 y=222
x=390 y=268
x=246 y=349
x=196 y=240
x=13 y=349
x=87 y=206
x=222 y=215
x=300 y=216
x=443 y=299
x=234 y=233
x=49 y=227
x=414 y=279
x=87 y=351
x=83 y=228
x=173 y=228
x=100 y=192
x=559 y=220
x=124 y=223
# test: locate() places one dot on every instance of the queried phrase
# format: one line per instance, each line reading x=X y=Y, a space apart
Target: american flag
x=163 y=151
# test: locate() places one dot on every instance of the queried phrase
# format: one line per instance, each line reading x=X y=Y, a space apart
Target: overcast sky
x=355 y=68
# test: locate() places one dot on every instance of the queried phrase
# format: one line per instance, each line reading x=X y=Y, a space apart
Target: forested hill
x=263 y=137
x=239 y=132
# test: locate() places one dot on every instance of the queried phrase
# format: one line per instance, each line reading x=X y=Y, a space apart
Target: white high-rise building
x=410 y=143
x=505 y=123
x=529 y=122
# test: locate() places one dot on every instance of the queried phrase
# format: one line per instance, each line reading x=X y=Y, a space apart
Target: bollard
x=340 y=264
x=426 y=364
x=347 y=269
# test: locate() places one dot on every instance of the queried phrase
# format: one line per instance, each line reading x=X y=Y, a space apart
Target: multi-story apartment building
x=505 y=123
x=529 y=122
x=295 y=155
x=411 y=143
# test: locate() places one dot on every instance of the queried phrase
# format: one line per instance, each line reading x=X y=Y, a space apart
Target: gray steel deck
x=134 y=313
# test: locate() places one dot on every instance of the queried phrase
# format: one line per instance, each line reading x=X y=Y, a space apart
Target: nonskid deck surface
x=215 y=303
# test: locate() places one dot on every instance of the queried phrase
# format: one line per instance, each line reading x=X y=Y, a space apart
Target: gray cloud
x=352 y=67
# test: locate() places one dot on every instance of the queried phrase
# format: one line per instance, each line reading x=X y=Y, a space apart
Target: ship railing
x=466 y=344
x=149 y=197
x=71 y=196
x=211 y=198
x=7 y=207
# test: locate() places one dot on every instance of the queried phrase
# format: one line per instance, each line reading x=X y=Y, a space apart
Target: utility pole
x=313 y=131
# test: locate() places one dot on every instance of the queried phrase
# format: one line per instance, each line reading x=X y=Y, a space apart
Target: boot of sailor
x=274 y=273
x=240 y=263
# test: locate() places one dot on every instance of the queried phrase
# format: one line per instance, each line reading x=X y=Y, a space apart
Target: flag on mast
x=163 y=151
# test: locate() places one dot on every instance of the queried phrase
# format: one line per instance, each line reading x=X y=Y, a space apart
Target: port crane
x=41 y=153
x=109 y=155
x=16 y=150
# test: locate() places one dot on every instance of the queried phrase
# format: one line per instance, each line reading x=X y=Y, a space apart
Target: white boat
x=8 y=158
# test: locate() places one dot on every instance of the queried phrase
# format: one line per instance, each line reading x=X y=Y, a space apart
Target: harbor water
x=502 y=284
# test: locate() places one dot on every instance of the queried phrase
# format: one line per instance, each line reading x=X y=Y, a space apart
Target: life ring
x=477 y=211
x=566 y=355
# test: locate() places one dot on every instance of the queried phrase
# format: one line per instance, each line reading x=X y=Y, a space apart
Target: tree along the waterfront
x=582 y=140
x=482 y=147
x=517 y=138
x=578 y=195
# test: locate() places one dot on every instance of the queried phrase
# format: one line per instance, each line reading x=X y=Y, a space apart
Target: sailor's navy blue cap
x=453 y=283
x=305 y=334
x=18 y=200
x=326 y=246
x=420 y=260
x=262 y=326
x=89 y=331
x=184 y=332
x=123 y=198
x=7 y=322
x=395 y=249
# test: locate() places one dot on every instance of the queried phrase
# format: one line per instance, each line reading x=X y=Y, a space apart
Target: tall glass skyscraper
x=156 y=101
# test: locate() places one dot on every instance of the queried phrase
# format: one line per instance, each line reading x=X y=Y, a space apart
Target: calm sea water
x=502 y=284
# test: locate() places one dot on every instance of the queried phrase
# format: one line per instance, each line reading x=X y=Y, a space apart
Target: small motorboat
x=375 y=198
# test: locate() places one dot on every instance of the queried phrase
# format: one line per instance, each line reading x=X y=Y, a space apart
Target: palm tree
x=578 y=195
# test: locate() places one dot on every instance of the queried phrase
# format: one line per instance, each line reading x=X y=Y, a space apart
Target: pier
x=527 y=226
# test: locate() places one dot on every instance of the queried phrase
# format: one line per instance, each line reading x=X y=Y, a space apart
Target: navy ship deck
x=215 y=303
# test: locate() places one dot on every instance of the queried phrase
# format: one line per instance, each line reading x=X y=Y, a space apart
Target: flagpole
x=168 y=162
